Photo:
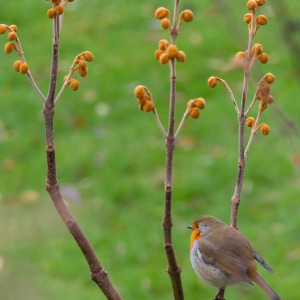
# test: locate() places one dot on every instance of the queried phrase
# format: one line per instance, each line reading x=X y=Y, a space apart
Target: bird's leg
x=220 y=294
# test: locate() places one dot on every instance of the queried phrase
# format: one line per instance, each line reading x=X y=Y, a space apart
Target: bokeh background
x=111 y=156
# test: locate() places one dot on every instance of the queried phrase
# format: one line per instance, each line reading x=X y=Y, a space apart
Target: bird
x=221 y=255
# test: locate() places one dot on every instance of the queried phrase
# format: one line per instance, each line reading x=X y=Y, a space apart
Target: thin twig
x=231 y=94
x=159 y=123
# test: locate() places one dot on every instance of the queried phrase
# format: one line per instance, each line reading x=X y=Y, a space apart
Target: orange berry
x=9 y=47
x=164 y=58
x=162 y=13
x=142 y=101
x=265 y=129
x=165 y=23
x=59 y=10
x=148 y=106
x=12 y=36
x=82 y=64
x=23 y=68
x=51 y=13
x=268 y=99
x=74 y=84
x=16 y=65
x=269 y=78
x=158 y=53
x=187 y=15
x=200 y=103
x=261 y=20
x=172 y=51
x=88 y=56
x=257 y=50
x=260 y=2
x=212 y=81
x=250 y=122
x=2 y=28
x=83 y=71
x=139 y=91
x=247 y=18
x=251 y=5
x=163 y=44
x=264 y=58
x=13 y=28
x=180 y=56
x=56 y=2
x=194 y=113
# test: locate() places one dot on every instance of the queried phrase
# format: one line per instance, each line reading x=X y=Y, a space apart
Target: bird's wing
x=262 y=262
x=223 y=258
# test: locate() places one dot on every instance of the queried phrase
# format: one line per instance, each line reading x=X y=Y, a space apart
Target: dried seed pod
x=172 y=51
x=148 y=106
x=74 y=84
x=200 y=103
x=212 y=81
x=23 y=68
x=265 y=129
x=269 y=78
x=2 y=28
x=247 y=18
x=261 y=20
x=9 y=47
x=180 y=56
x=88 y=56
x=51 y=13
x=165 y=23
x=12 y=36
x=139 y=91
x=264 y=58
x=163 y=44
x=16 y=65
x=187 y=15
x=164 y=58
x=250 y=122
x=251 y=5
x=162 y=13
x=194 y=113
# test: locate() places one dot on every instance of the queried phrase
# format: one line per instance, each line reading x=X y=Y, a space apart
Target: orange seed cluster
x=194 y=106
x=81 y=67
x=144 y=98
x=168 y=51
x=57 y=9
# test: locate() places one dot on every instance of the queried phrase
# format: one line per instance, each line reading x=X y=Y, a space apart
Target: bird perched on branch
x=222 y=256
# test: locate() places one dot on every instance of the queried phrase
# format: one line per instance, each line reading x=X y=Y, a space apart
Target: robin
x=221 y=256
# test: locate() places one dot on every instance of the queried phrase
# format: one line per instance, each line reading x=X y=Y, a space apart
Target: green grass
x=113 y=155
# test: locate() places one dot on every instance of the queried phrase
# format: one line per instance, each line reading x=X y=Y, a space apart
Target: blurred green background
x=111 y=156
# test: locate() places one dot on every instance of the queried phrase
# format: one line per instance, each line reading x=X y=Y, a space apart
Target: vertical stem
x=173 y=269
x=236 y=198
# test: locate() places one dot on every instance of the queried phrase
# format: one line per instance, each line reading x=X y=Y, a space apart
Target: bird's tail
x=267 y=289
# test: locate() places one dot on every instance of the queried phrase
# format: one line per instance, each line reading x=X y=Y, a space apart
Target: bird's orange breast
x=196 y=234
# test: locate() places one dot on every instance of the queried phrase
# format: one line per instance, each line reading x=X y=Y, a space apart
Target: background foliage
x=111 y=156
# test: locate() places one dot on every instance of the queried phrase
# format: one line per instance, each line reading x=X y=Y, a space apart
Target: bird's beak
x=190 y=227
